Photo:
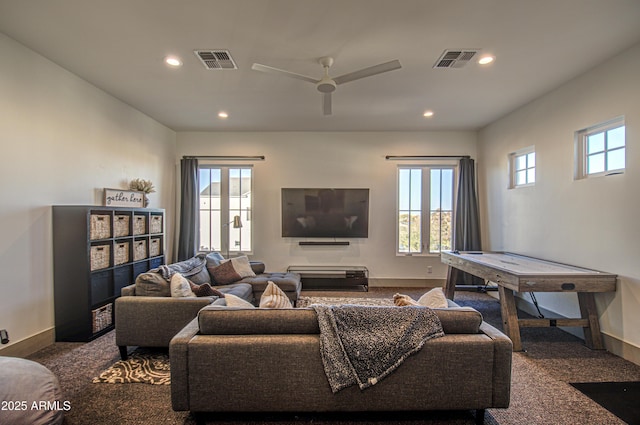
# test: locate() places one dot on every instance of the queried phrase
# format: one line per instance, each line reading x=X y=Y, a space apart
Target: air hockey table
x=517 y=273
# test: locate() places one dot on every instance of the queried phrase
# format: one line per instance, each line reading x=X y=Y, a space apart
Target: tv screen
x=325 y=213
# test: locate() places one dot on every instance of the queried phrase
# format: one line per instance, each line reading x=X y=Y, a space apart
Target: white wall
x=591 y=223
x=328 y=159
x=61 y=141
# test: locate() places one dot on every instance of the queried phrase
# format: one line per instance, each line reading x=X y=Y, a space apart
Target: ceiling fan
x=327 y=85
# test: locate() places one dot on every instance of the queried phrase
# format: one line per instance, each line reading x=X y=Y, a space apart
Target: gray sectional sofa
x=469 y=368
x=147 y=316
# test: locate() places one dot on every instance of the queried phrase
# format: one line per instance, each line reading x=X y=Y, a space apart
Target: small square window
x=522 y=165
x=600 y=150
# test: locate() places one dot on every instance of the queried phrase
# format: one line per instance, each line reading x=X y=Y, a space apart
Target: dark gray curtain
x=188 y=209
x=466 y=229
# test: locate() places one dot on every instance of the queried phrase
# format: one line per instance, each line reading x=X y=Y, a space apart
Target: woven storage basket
x=102 y=317
x=154 y=247
x=121 y=226
x=139 y=250
x=139 y=225
x=121 y=253
x=100 y=226
x=100 y=256
x=156 y=224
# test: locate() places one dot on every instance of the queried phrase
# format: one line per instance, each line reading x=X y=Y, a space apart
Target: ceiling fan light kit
x=327 y=85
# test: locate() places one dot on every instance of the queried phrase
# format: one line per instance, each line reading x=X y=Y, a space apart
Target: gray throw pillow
x=152 y=285
x=201 y=277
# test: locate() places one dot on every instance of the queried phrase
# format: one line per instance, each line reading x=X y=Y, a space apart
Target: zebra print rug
x=142 y=366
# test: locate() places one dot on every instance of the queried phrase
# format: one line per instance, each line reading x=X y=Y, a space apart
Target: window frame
x=513 y=170
x=226 y=209
x=425 y=210
x=582 y=154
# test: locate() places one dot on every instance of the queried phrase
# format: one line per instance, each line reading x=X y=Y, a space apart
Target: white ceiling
x=119 y=46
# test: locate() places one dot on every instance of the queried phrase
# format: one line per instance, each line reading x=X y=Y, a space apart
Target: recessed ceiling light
x=223 y=115
x=427 y=114
x=486 y=59
x=173 y=61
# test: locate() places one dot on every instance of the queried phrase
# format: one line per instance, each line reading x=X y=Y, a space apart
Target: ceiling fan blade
x=276 y=71
x=367 y=72
x=326 y=103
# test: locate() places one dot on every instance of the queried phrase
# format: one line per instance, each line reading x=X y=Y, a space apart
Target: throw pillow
x=274 y=297
x=434 y=299
x=232 y=270
x=402 y=300
x=242 y=266
x=205 y=290
x=152 y=285
x=224 y=274
x=214 y=259
x=235 y=301
x=180 y=286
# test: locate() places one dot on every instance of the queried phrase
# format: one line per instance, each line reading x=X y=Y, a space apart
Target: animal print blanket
x=363 y=344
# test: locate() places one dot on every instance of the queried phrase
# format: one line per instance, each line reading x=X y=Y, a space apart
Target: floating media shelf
x=323 y=243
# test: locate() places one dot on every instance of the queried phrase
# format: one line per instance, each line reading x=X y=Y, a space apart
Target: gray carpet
x=541 y=393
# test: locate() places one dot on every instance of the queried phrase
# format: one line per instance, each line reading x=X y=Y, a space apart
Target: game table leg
x=510 y=316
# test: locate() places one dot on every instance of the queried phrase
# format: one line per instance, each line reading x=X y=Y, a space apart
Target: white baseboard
x=405 y=283
x=29 y=345
x=622 y=349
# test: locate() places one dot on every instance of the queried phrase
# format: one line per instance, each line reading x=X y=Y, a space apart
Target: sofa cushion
x=459 y=320
x=242 y=290
x=152 y=284
x=288 y=282
x=217 y=319
x=274 y=297
x=258 y=267
x=221 y=320
x=180 y=287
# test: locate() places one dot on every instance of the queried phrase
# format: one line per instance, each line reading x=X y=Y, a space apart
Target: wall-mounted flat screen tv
x=325 y=213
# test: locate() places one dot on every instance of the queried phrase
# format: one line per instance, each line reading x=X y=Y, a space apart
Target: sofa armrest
x=153 y=321
x=179 y=366
x=128 y=291
x=502 y=357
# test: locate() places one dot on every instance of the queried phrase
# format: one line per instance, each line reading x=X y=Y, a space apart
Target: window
x=425 y=209
x=522 y=166
x=600 y=150
x=225 y=200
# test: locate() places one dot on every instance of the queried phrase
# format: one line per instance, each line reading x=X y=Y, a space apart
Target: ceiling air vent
x=455 y=58
x=216 y=59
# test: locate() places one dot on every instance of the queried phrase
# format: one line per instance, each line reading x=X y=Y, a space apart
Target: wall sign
x=123 y=198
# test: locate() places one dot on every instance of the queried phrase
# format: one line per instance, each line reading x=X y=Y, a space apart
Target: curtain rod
x=415 y=157
x=227 y=157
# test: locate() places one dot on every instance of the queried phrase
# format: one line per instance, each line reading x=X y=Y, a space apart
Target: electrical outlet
x=4 y=336
x=429 y=269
